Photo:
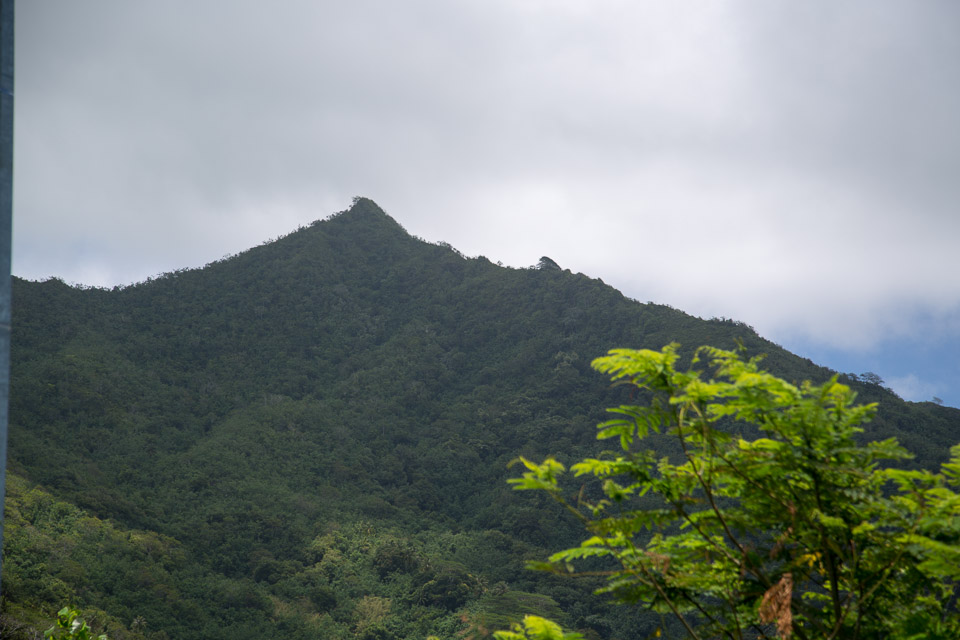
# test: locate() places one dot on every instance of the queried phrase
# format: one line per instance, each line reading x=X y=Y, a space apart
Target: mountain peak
x=366 y=204
x=365 y=211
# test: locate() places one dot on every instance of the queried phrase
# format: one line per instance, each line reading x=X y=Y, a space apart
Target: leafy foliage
x=536 y=628
x=772 y=522
x=70 y=626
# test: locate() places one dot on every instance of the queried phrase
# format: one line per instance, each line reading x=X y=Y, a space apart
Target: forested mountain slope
x=311 y=438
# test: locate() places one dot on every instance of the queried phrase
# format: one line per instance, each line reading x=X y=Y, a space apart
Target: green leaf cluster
x=772 y=521
x=70 y=626
x=536 y=628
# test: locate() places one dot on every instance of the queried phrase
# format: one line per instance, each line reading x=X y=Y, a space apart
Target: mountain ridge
x=258 y=413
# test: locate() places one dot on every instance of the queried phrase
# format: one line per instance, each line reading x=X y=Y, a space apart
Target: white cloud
x=792 y=166
x=911 y=387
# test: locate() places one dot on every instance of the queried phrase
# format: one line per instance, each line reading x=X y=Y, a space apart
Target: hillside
x=311 y=438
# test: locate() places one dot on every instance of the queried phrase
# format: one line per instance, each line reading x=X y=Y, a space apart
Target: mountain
x=311 y=438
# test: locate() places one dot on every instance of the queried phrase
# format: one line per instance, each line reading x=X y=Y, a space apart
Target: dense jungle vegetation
x=310 y=439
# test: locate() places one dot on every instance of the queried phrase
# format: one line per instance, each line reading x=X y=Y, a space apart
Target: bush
x=773 y=522
x=70 y=626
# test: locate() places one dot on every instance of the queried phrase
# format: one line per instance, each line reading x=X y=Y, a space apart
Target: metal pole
x=6 y=218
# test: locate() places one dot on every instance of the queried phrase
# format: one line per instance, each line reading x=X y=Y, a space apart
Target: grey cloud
x=789 y=165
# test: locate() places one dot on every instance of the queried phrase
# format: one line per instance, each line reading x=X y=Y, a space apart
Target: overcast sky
x=794 y=165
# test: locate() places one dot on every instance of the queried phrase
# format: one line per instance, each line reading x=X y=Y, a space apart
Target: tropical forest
x=322 y=437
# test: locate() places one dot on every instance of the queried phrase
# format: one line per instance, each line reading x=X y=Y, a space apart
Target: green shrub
x=773 y=522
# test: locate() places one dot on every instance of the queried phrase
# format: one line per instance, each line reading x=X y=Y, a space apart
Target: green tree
x=70 y=626
x=772 y=522
x=871 y=378
x=536 y=628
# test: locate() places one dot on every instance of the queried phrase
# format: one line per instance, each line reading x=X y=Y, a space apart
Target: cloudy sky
x=795 y=165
